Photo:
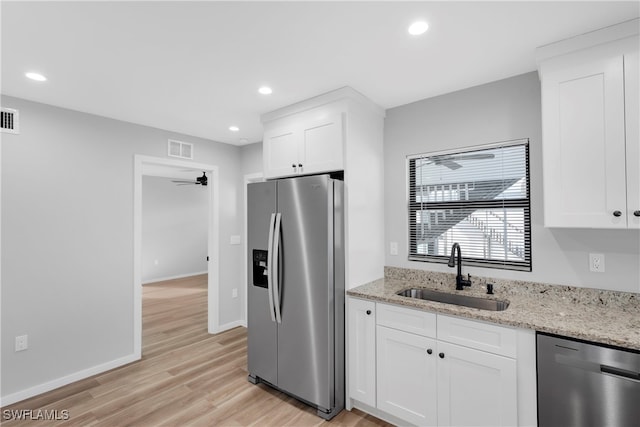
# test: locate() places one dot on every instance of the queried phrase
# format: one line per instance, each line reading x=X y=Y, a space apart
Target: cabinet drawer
x=482 y=336
x=406 y=319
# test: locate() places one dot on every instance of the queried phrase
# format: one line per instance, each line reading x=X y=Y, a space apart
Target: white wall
x=174 y=229
x=67 y=239
x=251 y=158
x=364 y=202
x=499 y=111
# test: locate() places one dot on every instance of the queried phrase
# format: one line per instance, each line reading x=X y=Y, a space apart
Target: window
x=477 y=197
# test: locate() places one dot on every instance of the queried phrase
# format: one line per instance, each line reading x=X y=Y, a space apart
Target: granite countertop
x=606 y=317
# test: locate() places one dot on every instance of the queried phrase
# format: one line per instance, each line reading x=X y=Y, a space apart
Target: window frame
x=521 y=203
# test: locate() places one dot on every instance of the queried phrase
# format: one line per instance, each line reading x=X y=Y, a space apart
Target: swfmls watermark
x=35 y=415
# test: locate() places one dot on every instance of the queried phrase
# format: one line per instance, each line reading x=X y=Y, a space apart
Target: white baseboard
x=179 y=276
x=68 y=379
x=230 y=325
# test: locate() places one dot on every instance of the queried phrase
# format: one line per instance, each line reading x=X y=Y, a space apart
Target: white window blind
x=477 y=197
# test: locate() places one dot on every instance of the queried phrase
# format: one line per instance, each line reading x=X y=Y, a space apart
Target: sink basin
x=457 y=299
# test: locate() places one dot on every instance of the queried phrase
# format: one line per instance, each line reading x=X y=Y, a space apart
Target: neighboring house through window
x=478 y=197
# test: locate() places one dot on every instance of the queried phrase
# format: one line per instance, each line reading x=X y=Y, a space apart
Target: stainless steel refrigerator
x=296 y=289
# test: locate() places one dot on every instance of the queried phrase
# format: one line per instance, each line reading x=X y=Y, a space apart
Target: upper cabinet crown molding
x=588 y=40
x=342 y=94
x=590 y=141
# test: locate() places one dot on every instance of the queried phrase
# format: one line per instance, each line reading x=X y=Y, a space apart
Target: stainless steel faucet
x=460 y=281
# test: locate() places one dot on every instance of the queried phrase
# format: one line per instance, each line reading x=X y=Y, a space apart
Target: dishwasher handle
x=620 y=372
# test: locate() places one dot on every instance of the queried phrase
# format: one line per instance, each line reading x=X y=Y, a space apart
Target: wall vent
x=180 y=149
x=9 y=120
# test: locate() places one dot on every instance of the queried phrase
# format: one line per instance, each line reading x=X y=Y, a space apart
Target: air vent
x=180 y=149
x=9 y=120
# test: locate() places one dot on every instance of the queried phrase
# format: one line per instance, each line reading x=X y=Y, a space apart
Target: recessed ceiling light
x=36 y=76
x=234 y=128
x=418 y=28
x=265 y=90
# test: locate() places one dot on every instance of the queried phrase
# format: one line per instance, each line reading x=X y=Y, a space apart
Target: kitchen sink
x=457 y=299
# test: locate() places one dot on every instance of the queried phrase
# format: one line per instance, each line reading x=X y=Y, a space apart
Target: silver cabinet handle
x=270 y=267
x=276 y=280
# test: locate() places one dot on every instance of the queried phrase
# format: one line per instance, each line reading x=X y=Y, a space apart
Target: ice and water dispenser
x=260 y=268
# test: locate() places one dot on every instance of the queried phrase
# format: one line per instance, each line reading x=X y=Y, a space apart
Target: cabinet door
x=584 y=144
x=632 y=114
x=280 y=152
x=407 y=376
x=475 y=388
x=321 y=147
x=362 y=351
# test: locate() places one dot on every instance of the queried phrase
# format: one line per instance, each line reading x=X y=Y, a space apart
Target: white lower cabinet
x=475 y=388
x=407 y=376
x=362 y=350
x=440 y=370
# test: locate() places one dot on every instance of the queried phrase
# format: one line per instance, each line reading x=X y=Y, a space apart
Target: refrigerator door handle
x=269 y=267
x=274 y=270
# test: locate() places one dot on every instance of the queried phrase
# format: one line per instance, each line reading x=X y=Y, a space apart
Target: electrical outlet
x=393 y=248
x=22 y=342
x=596 y=263
x=234 y=293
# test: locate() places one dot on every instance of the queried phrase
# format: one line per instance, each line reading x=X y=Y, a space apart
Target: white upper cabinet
x=307 y=144
x=584 y=145
x=322 y=145
x=590 y=130
x=280 y=151
x=632 y=112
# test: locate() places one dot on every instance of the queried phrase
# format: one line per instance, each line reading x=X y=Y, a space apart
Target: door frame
x=213 y=324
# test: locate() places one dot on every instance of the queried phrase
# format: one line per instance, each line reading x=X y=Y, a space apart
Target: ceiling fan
x=201 y=180
x=448 y=160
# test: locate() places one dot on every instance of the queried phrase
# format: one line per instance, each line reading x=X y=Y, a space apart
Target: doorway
x=146 y=165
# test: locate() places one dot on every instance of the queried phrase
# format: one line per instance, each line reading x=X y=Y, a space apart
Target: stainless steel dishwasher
x=583 y=384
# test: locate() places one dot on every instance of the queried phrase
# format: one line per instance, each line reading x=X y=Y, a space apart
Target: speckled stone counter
x=589 y=314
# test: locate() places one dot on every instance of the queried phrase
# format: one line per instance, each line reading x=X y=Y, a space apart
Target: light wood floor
x=186 y=377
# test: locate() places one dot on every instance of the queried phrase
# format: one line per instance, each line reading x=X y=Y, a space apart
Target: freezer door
x=306 y=334
x=262 y=331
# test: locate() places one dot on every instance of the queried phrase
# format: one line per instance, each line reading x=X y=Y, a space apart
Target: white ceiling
x=195 y=67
